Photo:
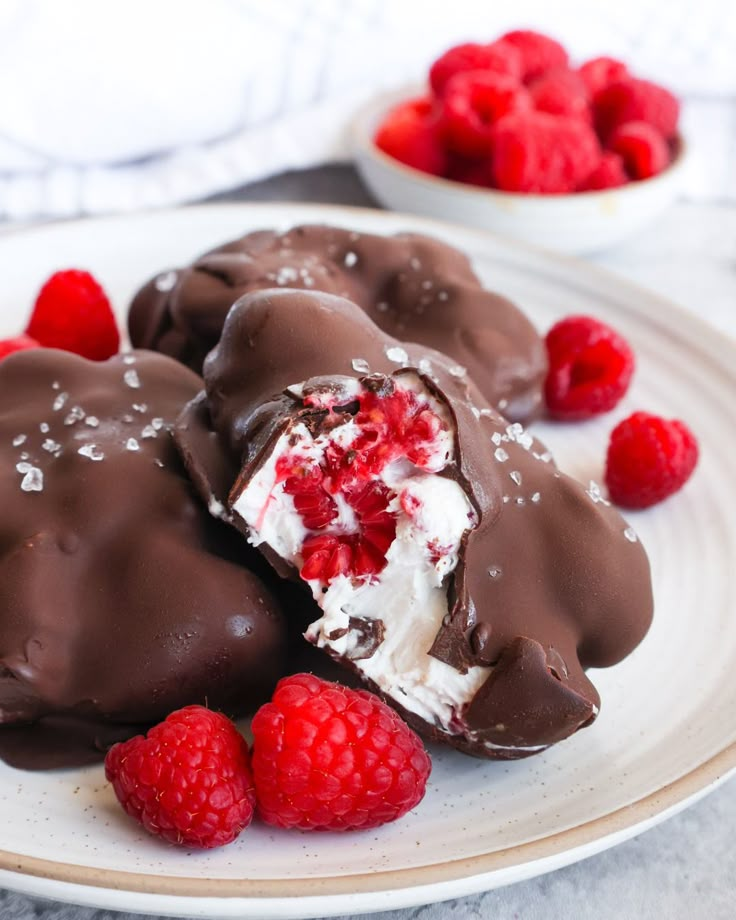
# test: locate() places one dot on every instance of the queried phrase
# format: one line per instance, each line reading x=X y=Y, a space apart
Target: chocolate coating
x=413 y=287
x=120 y=597
x=550 y=582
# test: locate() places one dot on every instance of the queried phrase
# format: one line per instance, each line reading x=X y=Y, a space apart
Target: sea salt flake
x=132 y=379
x=140 y=407
x=132 y=444
x=630 y=535
x=91 y=452
x=506 y=499
x=165 y=282
x=476 y=411
x=397 y=355
x=500 y=455
x=55 y=385
x=44 y=428
x=33 y=480
x=53 y=447
x=158 y=423
x=497 y=437
x=594 y=493
x=350 y=259
x=19 y=439
x=92 y=421
x=521 y=500
x=516 y=476
x=286 y=275
x=425 y=366
x=428 y=284
x=23 y=467
x=74 y=415
x=517 y=433
x=382 y=306
x=158 y=462
x=149 y=432
x=60 y=401
x=361 y=365
x=442 y=295
x=495 y=571
x=128 y=359
x=457 y=370
x=536 y=498
x=415 y=263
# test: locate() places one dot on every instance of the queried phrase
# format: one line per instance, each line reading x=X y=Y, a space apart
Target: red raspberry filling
x=392 y=424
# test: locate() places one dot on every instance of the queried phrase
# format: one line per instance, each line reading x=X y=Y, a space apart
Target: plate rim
x=578 y=841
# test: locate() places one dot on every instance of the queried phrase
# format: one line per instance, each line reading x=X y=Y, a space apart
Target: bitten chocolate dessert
x=120 y=596
x=414 y=288
x=458 y=571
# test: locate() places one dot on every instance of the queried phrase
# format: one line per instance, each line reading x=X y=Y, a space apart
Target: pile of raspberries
x=516 y=115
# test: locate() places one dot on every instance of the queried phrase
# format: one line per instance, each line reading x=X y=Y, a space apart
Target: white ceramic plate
x=667 y=730
x=581 y=223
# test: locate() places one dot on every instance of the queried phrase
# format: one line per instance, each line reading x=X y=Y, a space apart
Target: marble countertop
x=686 y=867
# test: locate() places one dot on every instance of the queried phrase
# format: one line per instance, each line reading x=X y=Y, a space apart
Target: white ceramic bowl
x=582 y=223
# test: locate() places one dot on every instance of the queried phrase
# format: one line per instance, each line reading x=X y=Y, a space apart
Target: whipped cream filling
x=385 y=623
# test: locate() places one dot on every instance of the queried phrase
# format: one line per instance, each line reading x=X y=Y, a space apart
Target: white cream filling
x=409 y=596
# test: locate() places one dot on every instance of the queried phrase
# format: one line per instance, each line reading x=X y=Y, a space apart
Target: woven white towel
x=113 y=107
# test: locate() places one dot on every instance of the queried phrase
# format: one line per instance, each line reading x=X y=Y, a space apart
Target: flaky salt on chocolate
x=411 y=286
x=458 y=572
x=119 y=596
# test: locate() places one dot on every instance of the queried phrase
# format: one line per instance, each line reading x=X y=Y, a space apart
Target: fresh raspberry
x=410 y=134
x=609 y=173
x=19 y=343
x=72 y=312
x=561 y=92
x=590 y=368
x=649 y=458
x=539 y=53
x=642 y=148
x=600 y=72
x=635 y=100
x=496 y=57
x=329 y=758
x=188 y=781
x=537 y=152
x=473 y=103
x=470 y=171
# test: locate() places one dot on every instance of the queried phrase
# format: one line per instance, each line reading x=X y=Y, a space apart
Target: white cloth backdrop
x=110 y=107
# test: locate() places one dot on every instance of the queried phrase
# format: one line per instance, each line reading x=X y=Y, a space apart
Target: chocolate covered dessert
x=457 y=570
x=414 y=288
x=120 y=596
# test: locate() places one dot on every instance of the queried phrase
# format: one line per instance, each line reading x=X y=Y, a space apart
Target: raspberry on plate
x=649 y=458
x=188 y=780
x=72 y=312
x=410 y=134
x=561 y=92
x=600 y=72
x=590 y=368
x=609 y=173
x=496 y=57
x=537 y=152
x=642 y=148
x=19 y=343
x=326 y=757
x=635 y=100
x=539 y=53
x=473 y=103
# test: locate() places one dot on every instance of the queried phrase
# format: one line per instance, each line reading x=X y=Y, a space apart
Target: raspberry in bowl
x=515 y=138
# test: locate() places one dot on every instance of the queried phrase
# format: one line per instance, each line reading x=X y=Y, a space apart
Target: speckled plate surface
x=667 y=729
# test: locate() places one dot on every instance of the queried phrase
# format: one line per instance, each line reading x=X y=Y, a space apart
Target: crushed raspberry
x=635 y=100
x=358 y=554
x=188 y=780
x=410 y=134
x=19 y=343
x=642 y=148
x=561 y=92
x=590 y=368
x=472 y=104
x=649 y=458
x=391 y=423
x=326 y=757
x=609 y=173
x=72 y=312
x=600 y=72
x=496 y=57
x=539 y=53
x=537 y=152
